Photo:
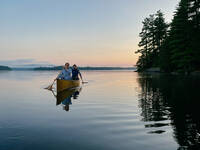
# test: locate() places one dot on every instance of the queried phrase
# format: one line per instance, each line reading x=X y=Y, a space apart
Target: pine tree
x=176 y=49
x=184 y=35
x=144 y=51
x=152 y=35
x=161 y=28
x=194 y=20
x=181 y=56
x=165 y=54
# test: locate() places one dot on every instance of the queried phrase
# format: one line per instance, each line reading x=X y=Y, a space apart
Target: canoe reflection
x=65 y=97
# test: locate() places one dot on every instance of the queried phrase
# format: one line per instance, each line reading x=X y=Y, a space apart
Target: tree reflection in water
x=172 y=100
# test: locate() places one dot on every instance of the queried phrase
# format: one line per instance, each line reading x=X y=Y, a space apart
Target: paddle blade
x=49 y=87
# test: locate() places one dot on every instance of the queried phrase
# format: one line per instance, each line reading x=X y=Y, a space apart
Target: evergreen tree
x=161 y=28
x=165 y=54
x=152 y=35
x=143 y=44
x=194 y=20
x=184 y=36
x=176 y=49
x=181 y=56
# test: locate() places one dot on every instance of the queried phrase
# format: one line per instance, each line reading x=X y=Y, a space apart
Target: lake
x=119 y=110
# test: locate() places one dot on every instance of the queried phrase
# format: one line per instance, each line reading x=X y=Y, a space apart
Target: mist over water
x=115 y=110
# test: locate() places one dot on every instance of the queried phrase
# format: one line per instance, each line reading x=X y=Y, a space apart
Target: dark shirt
x=67 y=101
x=75 y=73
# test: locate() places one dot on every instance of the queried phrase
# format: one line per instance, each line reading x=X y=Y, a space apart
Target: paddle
x=50 y=86
x=84 y=82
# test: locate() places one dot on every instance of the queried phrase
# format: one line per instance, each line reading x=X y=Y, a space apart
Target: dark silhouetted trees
x=176 y=48
x=153 y=34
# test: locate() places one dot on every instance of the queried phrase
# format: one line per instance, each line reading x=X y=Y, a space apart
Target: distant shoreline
x=2 y=68
x=87 y=68
x=60 y=68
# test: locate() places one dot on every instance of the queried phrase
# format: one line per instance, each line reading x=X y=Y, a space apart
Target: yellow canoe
x=67 y=84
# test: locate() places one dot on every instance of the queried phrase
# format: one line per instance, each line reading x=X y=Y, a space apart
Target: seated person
x=76 y=73
x=65 y=74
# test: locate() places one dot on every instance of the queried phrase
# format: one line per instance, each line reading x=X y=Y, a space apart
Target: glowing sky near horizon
x=85 y=32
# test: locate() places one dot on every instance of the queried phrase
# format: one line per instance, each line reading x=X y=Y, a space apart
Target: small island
x=5 y=68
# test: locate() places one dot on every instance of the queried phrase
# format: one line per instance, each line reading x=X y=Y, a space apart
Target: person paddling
x=65 y=74
x=76 y=73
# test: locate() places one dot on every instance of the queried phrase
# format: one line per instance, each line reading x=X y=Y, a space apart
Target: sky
x=85 y=32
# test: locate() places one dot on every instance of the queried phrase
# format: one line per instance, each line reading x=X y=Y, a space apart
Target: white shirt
x=65 y=74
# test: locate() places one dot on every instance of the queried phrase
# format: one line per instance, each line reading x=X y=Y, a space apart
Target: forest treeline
x=175 y=46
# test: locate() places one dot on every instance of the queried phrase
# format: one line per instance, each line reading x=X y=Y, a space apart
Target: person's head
x=66 y=65
x=66 y=107
x=75 y=66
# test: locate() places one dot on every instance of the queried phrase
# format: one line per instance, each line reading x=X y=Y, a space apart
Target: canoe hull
x=67 y=84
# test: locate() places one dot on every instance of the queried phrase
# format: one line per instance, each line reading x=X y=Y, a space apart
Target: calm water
x=119 y=110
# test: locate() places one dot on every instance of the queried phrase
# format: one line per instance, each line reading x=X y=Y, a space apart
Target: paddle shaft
x=53 y=82
x=84 y=82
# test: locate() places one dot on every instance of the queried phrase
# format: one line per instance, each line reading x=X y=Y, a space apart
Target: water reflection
x=65 y=97
x=172 y=100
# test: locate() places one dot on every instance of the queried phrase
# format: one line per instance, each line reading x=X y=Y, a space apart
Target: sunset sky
x=85 y=32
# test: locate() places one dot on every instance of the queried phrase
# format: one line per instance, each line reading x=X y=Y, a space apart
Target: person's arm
x=70 y=70
x=80 y=75
x=60 y=75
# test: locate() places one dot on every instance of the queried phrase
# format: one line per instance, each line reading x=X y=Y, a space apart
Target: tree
x=176 y=49
x=152 y=36
x=161 y=28
x=179 y=44
x=194 y=20
x=184 y=35
x=143 y=44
